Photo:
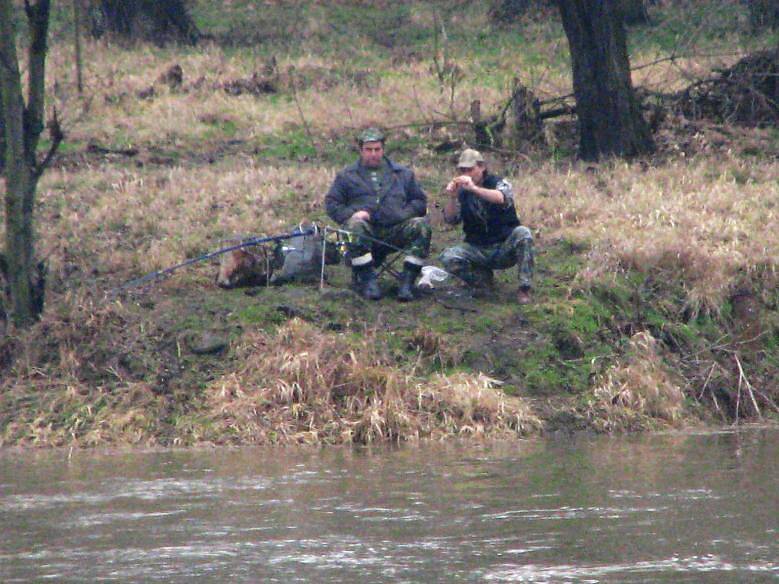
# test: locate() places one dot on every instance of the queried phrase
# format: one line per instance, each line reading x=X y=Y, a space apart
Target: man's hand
x=362 y=215
x=465 y=182
x=457 y=182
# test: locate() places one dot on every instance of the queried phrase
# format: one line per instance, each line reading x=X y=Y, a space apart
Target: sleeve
x=336 y=201
x=416 y=199
x=458 y=215
x=504 y=187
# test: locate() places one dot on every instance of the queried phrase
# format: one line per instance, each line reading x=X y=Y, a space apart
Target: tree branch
x=557 y=112
x=56 y=135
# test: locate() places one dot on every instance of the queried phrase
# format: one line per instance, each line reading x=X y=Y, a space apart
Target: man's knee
x=361 y=225
x=453 y=260
x=522 y=233
x=420 y=228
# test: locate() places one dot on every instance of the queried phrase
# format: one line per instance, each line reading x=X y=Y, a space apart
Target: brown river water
x=650 y=508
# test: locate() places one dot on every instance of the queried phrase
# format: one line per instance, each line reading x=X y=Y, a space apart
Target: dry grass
x=75 y=414
x=707 y=224
x=304 y=386
x=639 y=386
x=68 y=387
x=123 y=221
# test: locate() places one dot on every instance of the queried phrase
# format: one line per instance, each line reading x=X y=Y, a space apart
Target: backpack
x=300 y=257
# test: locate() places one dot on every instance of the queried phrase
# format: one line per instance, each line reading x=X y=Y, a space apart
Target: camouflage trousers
x=474 y=263
x=412 y=236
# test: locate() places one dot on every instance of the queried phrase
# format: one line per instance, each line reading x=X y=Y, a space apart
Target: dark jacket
x=400 y=198
x=486 y=223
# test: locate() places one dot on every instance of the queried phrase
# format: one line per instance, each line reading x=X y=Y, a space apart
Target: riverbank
x=656 y=300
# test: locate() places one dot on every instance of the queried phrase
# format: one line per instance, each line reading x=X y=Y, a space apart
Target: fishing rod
x=254 y=241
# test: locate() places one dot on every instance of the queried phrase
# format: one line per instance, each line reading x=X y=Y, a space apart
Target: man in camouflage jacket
x=494 y=238
x=377 y=199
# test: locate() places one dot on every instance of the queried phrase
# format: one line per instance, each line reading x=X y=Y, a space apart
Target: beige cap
x=469 y=158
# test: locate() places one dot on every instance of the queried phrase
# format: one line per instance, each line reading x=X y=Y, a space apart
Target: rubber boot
x=365 y=282
x=407 y=279
x=483 y=283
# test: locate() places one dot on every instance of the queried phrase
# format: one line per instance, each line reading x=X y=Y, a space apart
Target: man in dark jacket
x=376 y=199
x=494 y=238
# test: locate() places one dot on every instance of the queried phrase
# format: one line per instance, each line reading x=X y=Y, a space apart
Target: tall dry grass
x=304 y=386
x=637 y=390
x=67 y=386
x=709 y=223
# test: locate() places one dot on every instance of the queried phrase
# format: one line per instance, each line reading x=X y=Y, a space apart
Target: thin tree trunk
x=609 y=117
x=23 y=127
x=77 y=44
x=2 y=132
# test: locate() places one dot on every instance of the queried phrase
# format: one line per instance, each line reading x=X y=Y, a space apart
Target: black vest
x=486 y=223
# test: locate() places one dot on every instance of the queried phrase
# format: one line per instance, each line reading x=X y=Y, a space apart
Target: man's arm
x=337 y=202
x=452 y=213
x=416 y=198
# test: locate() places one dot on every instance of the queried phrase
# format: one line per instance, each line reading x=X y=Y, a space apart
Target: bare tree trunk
x=2 y=132
x=23 y=127
x=77 y=44
x=610 y=121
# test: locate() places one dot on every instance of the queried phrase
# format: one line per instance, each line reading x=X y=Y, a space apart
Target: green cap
x=370 y=135
x=469 y=158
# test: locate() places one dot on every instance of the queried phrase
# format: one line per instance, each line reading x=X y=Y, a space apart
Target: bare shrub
x=746 y=93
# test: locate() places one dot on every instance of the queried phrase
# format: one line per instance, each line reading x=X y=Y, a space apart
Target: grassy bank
x=656 y=300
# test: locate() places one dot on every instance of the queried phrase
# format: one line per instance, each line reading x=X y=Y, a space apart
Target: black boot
x=407 y=279
x=365 y=282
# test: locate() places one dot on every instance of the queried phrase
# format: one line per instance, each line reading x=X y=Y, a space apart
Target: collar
x=388 y=164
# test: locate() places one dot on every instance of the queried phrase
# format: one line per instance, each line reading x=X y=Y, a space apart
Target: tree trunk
x=609 y=117
x=528 y=127
x=158 y=21
x=2 y=133
x=77 y=45
x=764 y=14
x=23 y=127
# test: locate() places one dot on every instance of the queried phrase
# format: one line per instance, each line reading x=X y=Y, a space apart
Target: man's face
x=475 y=172
x=371 y=154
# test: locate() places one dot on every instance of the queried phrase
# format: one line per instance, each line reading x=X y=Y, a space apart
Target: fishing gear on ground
x=251 y=262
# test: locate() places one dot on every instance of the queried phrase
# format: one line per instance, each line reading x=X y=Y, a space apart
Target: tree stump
x=526 y=111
